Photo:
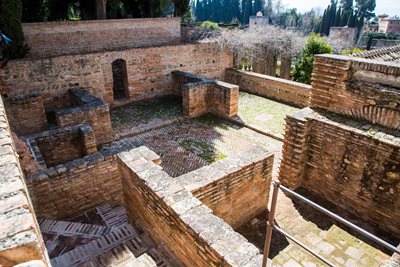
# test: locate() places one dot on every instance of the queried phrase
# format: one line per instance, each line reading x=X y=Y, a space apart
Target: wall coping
x=264 y=76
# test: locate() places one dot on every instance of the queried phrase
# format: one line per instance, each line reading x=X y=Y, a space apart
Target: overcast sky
x=390 y=7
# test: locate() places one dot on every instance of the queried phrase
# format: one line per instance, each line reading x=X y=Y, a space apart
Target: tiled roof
x=389 y=54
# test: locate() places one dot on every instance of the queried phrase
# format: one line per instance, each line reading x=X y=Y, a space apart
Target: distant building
x=259 y=20
x=347 y=34
x=389 y=25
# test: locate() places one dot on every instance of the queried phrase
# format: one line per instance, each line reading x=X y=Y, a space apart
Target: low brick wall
x=201 y=95
x=89 y=109
x=236 y=188
x=178 y=220
x=26 y=114
x=69 y=189
x=283 y=90
x=75 y=37
x=353 y=165
x=20 y=237
x=360 y=88
x=61 y=145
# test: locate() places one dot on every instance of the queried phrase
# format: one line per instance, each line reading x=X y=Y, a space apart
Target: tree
x=181 y=7
x=365 y=9
x=304 y=64
x=10 y=24
x=101 y=10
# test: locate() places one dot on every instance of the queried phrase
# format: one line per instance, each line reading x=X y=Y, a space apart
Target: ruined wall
x=76 y=37
x=87 y=109
x=353 y=165
x=201 y=95
x=236 y=188
x=346 y=34
x=20 y=237
x=77 y=186
x=61 y=145
x=149 y=72
x=26 y=114
x=177 y=219
x=361 y=88
x=271 y=87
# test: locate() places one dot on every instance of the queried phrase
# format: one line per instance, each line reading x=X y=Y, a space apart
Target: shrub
x=304 y=64
x=352 y=51
x=210 y=25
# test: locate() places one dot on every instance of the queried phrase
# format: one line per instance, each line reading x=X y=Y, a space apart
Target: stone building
x=259 y=20
x=389 y=25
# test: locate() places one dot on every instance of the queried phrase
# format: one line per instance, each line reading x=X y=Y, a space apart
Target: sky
x=390 y=7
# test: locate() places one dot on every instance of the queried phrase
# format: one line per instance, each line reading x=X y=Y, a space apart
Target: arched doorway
x=120 y=79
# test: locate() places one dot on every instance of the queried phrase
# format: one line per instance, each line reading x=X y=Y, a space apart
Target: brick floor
x=192 y=144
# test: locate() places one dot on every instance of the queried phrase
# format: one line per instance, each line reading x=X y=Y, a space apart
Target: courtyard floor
x=186 y=145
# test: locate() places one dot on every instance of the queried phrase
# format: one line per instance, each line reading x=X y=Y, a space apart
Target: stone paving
x=331 y=240
x=192 y=144
x=263 y=114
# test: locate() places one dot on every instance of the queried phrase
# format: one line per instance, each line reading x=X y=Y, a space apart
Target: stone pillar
x=286 y=66
x=270 y=68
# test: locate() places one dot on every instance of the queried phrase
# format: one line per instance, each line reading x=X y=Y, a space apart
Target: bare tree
x=261 y=45
x=101 y=9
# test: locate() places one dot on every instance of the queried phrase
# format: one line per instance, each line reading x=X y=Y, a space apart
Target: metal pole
x=340 y=219
x=270 y=223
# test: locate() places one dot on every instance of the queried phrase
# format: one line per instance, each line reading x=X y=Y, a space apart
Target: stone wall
x=346 y=34
x=178 y=220
x=26 y=114
x=236 y=188
x=61 y=145
x=89 y=109
x=271 y=87
x=20 y=237
x=201 y=95
x=76 y=37
x=360 y=88
x=351 y=164
x=149 y=72
x=69 y=189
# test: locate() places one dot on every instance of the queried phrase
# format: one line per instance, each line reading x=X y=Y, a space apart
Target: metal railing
x=272 y=226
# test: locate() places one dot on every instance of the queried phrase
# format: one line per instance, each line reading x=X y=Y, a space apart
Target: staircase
x=115 y=244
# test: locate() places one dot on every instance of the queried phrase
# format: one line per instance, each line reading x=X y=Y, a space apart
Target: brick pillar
x=270 y=68
x=294 y=154
x=286 y=66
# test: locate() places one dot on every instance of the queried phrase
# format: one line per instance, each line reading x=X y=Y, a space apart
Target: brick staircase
x=116 y=244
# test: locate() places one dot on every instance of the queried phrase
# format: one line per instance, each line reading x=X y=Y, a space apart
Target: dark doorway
x=120 y=79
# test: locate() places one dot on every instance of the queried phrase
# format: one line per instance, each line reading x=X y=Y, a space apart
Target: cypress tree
x=338 y=17
x=10 y=24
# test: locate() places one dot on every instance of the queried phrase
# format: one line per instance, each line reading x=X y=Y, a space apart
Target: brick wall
x=87 y=109
x=61 y=145
x=149 y=72
x=75 y=37
x=178 y=220
x=360 y=88
x=26 y=114
x=271 y=87
x=20 y=237
x=236 y=188
x=201 y=95
x=75 y=187
x=353 y=165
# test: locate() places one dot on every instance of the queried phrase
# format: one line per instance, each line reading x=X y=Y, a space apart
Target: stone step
x=118 y=256
x=96 y=247
x=112 y=217
x=143 y=261
x=65 y=228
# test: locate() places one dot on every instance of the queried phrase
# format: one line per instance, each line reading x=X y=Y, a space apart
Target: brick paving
x=192 y=144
